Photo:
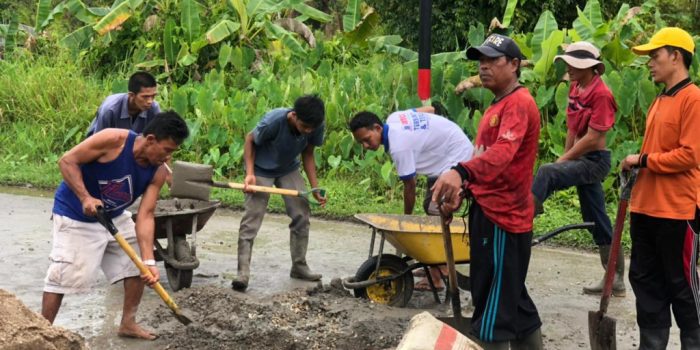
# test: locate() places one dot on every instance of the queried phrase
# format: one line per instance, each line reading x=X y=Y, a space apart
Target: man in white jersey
x=419 y=143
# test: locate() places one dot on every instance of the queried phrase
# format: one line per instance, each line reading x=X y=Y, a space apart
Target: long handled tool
x=601 y=327
x=457 y=321
x=191 y=180
x=109 y=225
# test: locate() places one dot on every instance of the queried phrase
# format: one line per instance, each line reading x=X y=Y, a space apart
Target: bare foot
x=423 y=285
x=135 y=331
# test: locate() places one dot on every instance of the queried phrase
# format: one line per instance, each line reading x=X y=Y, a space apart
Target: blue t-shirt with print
x=278 y=145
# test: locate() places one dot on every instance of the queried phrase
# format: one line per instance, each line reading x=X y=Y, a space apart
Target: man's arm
x=570 y=137
x=103 y=119
x=409 y=195
x=145 y=222
x=589 y=142
x=307 y=158
x=687 y=155
x=249 y=160
x=94 y=148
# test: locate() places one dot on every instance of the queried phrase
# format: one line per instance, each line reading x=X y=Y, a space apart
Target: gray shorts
x=80 y=248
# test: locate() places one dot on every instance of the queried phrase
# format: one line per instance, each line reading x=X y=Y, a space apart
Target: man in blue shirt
x=132 y=110
x=110 y=169
x=271 y=156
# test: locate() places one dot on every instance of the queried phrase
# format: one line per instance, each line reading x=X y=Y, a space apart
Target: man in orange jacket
x=664 y=203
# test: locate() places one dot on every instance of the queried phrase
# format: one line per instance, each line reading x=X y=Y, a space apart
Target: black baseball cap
x=495 y=45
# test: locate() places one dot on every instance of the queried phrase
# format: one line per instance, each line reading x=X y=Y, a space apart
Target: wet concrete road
x=336 y=250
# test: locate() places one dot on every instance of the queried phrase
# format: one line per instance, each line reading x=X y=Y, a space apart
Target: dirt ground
x=278 y=312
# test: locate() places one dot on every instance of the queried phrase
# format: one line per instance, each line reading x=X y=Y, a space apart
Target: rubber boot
x=653 y=338
x=531 y=342
x=300 y=270
x=619 y=289
x=240 y=282
x=690 y=339
x=539 y=206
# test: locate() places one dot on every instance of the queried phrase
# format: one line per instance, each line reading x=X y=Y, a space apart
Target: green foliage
x=451 y=20
x=222 y=65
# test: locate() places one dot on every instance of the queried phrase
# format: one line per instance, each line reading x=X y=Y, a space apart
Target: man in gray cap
x=499 y=178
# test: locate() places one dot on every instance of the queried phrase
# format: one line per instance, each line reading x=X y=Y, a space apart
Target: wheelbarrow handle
x=103 y=219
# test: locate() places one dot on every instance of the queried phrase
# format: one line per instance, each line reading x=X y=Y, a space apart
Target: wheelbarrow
x=388 y=278
x=175 y=218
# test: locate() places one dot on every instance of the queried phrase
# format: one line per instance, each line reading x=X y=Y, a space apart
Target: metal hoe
x=601 y=327
x=109 y=225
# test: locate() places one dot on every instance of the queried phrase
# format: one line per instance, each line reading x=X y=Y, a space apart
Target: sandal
x=424 y=285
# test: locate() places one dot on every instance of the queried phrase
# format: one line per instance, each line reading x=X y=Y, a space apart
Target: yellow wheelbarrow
x=388 y=278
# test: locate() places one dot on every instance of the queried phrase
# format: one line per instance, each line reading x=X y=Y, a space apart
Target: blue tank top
x=117 y=183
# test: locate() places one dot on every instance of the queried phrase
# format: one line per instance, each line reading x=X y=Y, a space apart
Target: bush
x=450 y=23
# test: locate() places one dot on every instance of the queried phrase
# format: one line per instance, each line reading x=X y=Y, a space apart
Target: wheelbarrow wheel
x=178 y=279
x=396 y=292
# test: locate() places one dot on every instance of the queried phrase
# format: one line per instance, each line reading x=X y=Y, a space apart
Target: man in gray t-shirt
x=271 y=156
x=132 y=110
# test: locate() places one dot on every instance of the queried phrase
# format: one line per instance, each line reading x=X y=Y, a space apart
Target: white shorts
x=79 y=248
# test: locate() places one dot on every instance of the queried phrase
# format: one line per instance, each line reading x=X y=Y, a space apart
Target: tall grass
x=46 y=105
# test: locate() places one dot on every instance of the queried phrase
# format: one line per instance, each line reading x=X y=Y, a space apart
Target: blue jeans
x=587 y=174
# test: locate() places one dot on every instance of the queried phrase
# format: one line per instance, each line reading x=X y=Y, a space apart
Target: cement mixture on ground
x=322 y=317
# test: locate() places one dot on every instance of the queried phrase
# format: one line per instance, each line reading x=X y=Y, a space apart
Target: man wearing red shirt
x=499 y=178
x=586 y=160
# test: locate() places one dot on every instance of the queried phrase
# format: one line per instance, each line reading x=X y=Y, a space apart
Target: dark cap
x=495 y=45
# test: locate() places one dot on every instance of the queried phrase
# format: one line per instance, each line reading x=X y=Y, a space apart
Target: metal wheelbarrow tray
x=388 y=278
x=175 y=218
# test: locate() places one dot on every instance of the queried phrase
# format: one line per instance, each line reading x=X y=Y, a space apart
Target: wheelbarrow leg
x=171 y=239
x=193 y=247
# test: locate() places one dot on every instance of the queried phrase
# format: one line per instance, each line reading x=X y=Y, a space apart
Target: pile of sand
x=21 y=328
x=325 y=317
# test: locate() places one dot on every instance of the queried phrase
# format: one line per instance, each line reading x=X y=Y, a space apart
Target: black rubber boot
x=619 y=289
x=300 y=270
x=531 y=342
x=690 y=339
x=245 y=249
x=653 y=338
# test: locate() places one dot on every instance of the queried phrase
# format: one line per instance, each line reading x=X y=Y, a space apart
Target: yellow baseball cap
x=670 y=36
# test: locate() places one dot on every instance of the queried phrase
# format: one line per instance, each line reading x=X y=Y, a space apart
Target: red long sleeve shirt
x=501 y=178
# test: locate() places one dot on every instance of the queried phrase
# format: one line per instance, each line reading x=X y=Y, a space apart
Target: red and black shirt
x=500 y=178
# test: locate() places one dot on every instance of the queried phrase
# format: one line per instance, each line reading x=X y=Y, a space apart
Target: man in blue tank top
x=112 y=168
x=271 y=156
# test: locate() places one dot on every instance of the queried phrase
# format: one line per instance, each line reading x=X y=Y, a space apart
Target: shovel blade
x=183 y=317
x=191 y=180
x=601 y=331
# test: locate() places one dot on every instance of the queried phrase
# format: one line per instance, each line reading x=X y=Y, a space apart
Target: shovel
x=457 y=321
x=191 y=180
x=601 y=328
x=109 y=225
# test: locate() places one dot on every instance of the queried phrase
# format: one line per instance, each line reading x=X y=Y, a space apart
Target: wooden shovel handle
x=273 y=190
x=109 y=225
x=145 y=271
